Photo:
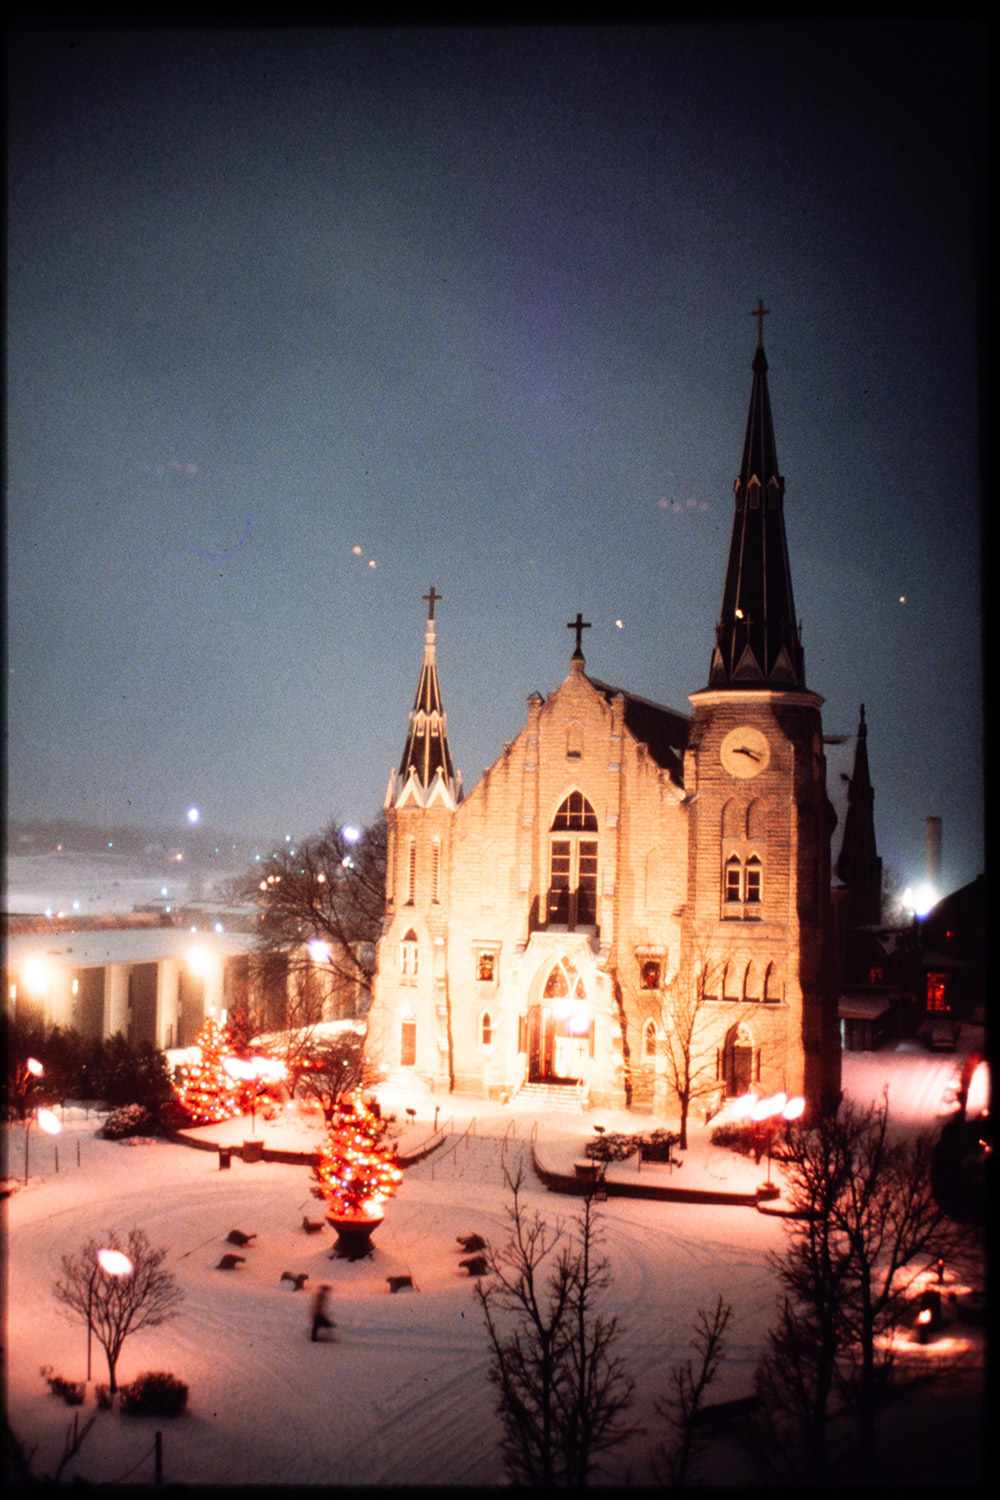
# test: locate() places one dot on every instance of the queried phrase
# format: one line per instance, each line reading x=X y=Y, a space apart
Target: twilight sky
x=302 y=322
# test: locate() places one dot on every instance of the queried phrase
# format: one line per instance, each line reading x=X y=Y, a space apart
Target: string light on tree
x=205 y=1087
x=355 y=1175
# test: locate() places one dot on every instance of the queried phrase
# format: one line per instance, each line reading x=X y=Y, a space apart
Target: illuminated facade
x=622 y=863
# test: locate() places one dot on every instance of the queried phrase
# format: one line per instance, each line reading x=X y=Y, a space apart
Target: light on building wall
x=198 y=961
x=319 y=951
x=36 y=975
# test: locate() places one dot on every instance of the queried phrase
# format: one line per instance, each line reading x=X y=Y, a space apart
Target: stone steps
x=559 y=1096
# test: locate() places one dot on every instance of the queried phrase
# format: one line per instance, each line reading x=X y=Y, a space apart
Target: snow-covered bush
x=73 y=1392
x=131 y=1119
x=156 y=1393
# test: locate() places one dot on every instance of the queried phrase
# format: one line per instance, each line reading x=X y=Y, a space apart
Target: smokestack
x=932 y=853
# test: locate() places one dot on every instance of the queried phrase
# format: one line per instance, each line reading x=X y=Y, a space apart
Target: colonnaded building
x=626 y=877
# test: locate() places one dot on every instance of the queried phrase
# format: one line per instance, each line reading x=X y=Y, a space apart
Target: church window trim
x=411 y=872
x=487 y=965
x=650 y=974
x=409 y=955
x=743 y=849
x=571 y=900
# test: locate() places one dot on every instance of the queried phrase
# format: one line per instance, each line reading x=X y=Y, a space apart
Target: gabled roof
x=662 y=730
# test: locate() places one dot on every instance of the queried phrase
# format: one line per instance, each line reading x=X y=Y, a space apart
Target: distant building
x=155 y=980
x=622 y=865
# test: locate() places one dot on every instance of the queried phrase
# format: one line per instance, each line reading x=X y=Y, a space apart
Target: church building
x=631 y=895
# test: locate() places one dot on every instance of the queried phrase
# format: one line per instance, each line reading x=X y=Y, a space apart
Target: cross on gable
x=760 y=312
x=432 y=599
x=579 y=625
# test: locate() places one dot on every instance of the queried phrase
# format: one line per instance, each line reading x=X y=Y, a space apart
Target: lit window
x=408 y=953
x=649 y=974
x=486 y=967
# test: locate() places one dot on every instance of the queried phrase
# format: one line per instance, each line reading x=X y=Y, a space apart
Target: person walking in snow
x=320 y=1316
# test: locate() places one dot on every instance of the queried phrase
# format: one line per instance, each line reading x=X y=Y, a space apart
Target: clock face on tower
x=745 y=752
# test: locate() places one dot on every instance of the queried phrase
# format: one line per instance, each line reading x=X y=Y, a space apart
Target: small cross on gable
x=579 y=625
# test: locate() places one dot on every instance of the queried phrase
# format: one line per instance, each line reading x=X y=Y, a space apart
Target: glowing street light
x=112 y=1263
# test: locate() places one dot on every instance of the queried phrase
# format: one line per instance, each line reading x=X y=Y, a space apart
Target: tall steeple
x=859 y=866
x=757 y=638
x=427 y=751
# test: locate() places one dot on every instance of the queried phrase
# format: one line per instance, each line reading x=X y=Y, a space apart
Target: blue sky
x=301 y=323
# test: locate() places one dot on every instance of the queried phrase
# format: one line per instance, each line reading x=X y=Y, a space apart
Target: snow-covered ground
x=402 y=1396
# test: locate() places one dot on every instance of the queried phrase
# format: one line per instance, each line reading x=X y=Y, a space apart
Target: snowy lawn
x=402 y=1396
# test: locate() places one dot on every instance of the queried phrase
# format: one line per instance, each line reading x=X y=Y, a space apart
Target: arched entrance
x=560 y=1027
x=738 y=1061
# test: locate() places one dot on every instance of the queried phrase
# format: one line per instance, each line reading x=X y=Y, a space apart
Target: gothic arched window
x=408 y=953
x=649 y=1040
x=572 y=897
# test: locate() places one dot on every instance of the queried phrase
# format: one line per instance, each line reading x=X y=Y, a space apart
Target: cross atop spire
x=579 y=625
x=431 y=599
x=760 y=312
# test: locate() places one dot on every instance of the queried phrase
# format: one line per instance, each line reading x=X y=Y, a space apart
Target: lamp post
x=112 y=1263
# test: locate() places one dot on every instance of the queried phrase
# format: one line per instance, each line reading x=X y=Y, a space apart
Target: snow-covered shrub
x=131 y=1119
x=73 y=1392
x=156 y=1393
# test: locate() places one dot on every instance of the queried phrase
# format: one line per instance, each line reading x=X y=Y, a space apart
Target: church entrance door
x=541 y=1044
x=737 y=1062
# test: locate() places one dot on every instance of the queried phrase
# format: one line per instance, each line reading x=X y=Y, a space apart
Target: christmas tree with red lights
x=205 y=1089
x=355 y=1174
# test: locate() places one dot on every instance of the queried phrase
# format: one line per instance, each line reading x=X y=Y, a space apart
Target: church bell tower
x=759 y=934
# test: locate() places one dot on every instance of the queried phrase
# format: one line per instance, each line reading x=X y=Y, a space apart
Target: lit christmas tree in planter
x=205 y=1088
x=355 y=1175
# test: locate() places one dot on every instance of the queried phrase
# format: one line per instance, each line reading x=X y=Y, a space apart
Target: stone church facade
x=628 y=889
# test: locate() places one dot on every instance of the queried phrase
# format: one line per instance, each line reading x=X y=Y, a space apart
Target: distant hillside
x=45 y=836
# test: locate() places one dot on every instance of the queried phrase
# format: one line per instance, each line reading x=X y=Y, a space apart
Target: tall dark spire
x=427 y=750
x=757 y=639
x=859 y=866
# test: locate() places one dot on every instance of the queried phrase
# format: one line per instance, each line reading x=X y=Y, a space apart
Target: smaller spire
x=859 y=866
x=427 y=752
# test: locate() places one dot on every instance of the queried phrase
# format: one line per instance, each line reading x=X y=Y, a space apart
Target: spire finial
x=431 y=599
x=579 y=625
x=760 y=312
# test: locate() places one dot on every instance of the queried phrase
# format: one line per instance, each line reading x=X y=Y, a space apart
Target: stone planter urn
x=354 y=1234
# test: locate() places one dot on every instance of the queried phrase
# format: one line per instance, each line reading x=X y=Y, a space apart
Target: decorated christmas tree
x=355 y=1174
x=205 y=1089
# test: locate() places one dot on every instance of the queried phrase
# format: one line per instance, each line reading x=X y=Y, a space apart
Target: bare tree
x=866 y=1225
x=335 y=1067
x=688 y=1045
x=328 y=889
x=116 y=1306
x=563 y=1390
x=689 y=1382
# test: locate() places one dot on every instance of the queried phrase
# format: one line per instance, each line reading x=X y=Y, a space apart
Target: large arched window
x=572 y=895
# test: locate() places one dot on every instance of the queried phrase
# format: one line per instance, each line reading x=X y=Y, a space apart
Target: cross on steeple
x=431 y=599
x=579 y=625
x=760 y=312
